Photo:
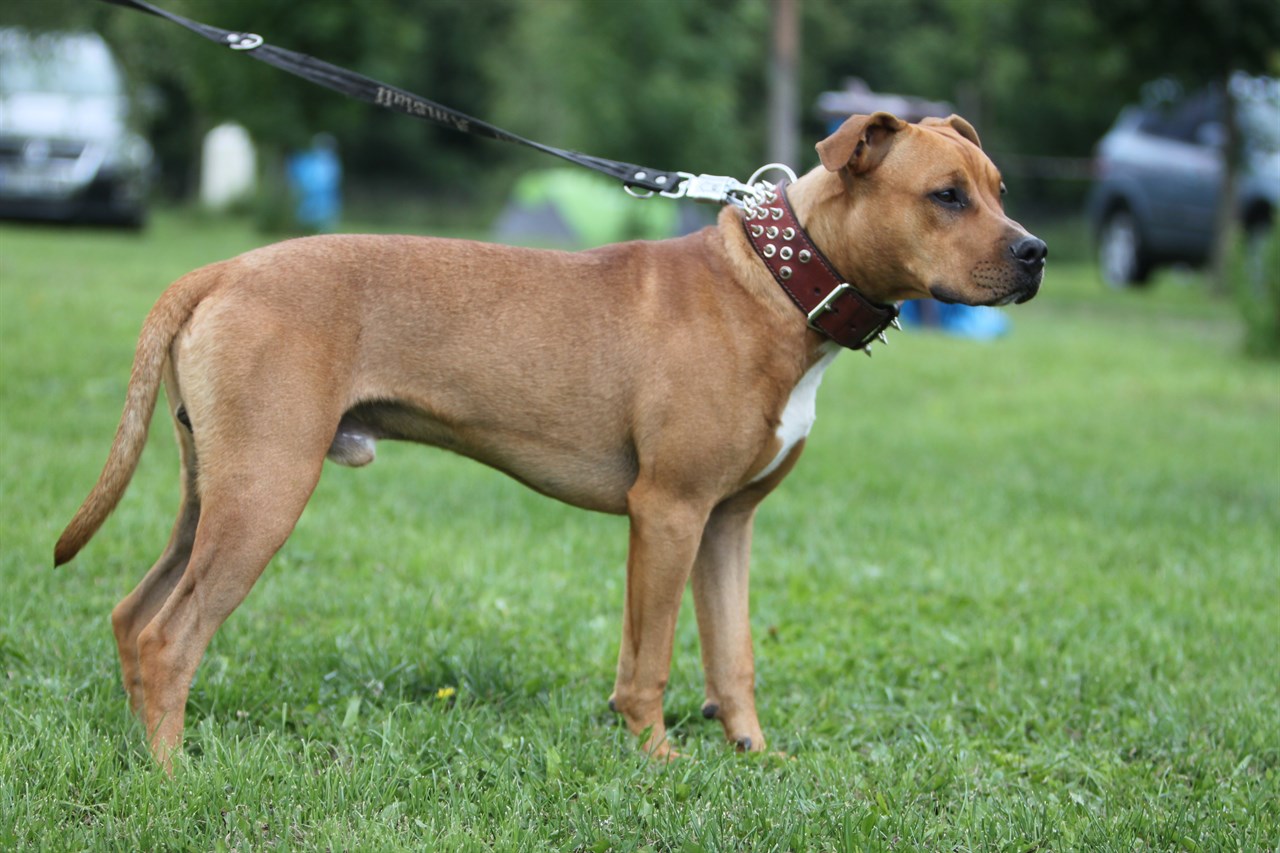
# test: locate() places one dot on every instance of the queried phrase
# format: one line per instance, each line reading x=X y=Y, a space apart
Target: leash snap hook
x=717 y=189
x=682 y=188
x=244 y=41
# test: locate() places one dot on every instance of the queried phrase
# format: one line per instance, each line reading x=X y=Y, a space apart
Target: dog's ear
x=860 y=143
x=957 y=124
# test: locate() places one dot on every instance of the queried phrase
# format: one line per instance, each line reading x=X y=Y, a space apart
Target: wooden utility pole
x=784 y=108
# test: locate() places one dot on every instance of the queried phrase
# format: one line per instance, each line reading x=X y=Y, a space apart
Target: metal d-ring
x=771 y=167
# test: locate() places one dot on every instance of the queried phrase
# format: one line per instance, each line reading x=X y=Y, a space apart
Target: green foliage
x=1013 y=67
x=1017 y=595
x=666 y=83
x=1256 y=272
x=1198 y=41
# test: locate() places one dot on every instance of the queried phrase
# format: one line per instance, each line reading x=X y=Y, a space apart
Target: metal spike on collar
x=896 y=324
x=866 y=350
x=883 y=339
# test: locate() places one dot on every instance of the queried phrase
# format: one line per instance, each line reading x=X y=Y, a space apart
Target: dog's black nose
x=1030 y=250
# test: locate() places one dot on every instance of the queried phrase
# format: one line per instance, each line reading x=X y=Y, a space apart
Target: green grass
x=1019 y=595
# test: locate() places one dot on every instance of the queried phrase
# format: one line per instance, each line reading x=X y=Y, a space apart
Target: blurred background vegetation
x=667 y=83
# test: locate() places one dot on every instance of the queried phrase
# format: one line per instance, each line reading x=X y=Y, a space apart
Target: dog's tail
x=167 y=317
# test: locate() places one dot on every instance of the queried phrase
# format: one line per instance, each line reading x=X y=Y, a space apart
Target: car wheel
x=1121 y=259
x=133 y=219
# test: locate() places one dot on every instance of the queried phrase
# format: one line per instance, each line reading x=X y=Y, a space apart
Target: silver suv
x=66 y=150
x=1159 y=178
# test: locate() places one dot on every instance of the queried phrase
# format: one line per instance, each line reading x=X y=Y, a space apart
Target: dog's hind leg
x=249 y=503
x=138 y=608
x=720 y=598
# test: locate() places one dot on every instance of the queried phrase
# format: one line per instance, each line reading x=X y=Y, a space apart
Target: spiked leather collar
x=832 y=306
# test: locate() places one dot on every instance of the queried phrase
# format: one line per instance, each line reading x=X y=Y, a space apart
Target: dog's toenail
x=613 y=705
x=744 y=744
x=710 y=710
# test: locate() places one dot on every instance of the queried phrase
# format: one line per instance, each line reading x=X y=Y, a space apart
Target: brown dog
x=671 y=381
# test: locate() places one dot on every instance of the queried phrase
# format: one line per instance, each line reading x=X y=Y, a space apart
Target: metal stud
x=867 y=350
x=788 y=234
x=804 y=256
x=896 y=324
x=757 y=230
x=769 y=250
x=771 y=232
x=777 y=212
x=785 y=253
x=882 y=338
x=785 y=272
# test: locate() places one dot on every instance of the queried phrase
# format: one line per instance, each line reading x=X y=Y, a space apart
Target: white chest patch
x=801 y=410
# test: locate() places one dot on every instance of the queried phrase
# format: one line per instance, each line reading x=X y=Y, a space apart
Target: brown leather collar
x=833 y=306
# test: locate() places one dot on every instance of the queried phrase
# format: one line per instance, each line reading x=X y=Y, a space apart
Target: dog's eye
x=949 y=198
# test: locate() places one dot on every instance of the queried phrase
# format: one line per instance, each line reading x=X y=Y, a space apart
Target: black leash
x=647 y=181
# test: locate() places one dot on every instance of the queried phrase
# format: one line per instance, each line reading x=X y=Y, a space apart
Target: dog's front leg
x=720 y=597
x=665 y=532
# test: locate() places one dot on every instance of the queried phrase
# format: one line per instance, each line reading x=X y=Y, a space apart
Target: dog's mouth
x=1020 y=291
x=1017 y=297
x=1027 y=295
x=950 y=296
x=1028 y=287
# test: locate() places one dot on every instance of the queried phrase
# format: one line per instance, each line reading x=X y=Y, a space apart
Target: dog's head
x=916 y=210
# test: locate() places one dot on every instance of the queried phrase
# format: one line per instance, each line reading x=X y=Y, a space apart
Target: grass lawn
x=1020 y=595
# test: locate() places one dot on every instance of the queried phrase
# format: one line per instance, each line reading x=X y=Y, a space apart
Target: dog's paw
x=664 y=753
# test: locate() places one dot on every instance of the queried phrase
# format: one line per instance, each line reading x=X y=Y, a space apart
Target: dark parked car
x=66 y=150
x=1159 y=178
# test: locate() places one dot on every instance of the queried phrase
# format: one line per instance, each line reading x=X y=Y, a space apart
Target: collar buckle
x=873 y=334
x=825 y=305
